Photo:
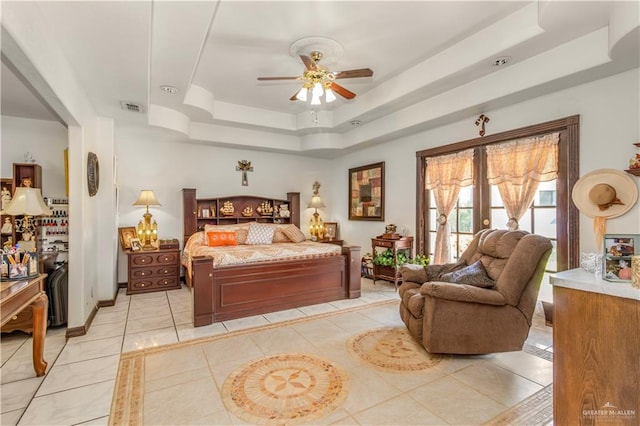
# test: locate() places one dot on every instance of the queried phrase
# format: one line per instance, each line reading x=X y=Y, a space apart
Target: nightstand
x=153 y=270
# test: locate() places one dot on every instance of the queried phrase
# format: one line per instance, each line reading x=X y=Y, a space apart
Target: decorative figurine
x=247 y=211
x=6 y=197
x=227 y=209
x=7 y=226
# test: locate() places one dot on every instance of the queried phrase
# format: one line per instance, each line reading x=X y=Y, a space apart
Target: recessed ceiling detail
x=330 y=48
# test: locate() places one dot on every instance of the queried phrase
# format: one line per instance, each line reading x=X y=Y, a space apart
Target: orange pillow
x=217 y=239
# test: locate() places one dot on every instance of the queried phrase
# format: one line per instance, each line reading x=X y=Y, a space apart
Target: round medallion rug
x=392 y=349
x=285 y=389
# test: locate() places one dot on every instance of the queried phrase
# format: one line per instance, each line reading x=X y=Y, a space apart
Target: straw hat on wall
x=603 y=194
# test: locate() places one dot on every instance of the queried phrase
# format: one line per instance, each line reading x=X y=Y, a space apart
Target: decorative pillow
x=260 y=233
x=293 y=233
x=279 y=236
x=474 y=274
x=217 y=239
x=241 y=235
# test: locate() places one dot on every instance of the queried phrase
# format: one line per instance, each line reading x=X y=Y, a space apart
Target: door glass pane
x=465 y=198
x=499 y=218
x=545 y=222
x=496 y=199
x=465 y=220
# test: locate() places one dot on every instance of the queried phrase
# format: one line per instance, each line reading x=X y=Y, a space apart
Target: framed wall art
x=126 y=234
x=366 y=192
x=616 y=259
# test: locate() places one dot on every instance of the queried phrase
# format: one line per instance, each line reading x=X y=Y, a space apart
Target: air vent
x=131 y=106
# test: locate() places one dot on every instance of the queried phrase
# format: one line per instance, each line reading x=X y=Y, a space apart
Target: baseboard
x=110 y=302
x=122 y=285
x=82 y=330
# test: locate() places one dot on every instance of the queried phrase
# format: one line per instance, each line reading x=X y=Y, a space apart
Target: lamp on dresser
x=316 y=226
x=28 y=202
x=147 y=231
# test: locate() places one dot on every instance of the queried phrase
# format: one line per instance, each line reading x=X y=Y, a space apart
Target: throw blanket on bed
x=243 y=254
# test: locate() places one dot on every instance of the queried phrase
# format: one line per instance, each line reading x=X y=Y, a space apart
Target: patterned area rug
x=285 y=389
x=392 y=349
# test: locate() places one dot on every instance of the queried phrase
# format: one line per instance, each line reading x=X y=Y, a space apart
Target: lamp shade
x=316 y=202
x=146 y=199
x=27 y=201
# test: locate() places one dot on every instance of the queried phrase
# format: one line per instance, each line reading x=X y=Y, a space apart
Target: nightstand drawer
x=154 y=271
x=167 y=259
x=153 y=284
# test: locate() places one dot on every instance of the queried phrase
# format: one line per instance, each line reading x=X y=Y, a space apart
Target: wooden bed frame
x=238 y=291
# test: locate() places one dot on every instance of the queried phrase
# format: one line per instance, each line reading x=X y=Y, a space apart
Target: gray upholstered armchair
x=487 y=305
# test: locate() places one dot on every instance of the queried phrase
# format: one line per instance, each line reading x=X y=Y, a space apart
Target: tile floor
x=79 y=383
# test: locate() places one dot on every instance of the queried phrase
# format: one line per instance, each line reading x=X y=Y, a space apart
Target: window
x=551 y=214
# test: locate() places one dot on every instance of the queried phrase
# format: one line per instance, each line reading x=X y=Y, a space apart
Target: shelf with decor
x=24 y=174
x=8 y=226
x=634 y=163
x=54 y=230
x=235 y=209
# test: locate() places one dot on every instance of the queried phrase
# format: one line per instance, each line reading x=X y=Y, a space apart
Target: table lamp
x=147 y=231
x=316 y=226
x=27 y=202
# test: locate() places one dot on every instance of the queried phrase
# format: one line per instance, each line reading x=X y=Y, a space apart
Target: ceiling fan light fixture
x=317 y=89
x=329 y=96
x=315 y=99
x=302 y=94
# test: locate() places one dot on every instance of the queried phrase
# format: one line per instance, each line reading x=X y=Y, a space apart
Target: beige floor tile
x=321 y=308
x=497 y=383
x=81 y=351
x=10 y=418
x=106 y=317
x=169 y=381
x=180 y=306
x=354 y=322
x=78 y=374
x=149 y=312
x=529 y=366
x=189 y=332
x=182 y=318
x=280 y=316
x=11 y=342
x=457 y=403
x=237 y=349
x=279 y=340
x=244 y=323
x=367 y=389
x=16 y=395
x=149 y=339
x=402 y=410
x=140 y=325
x=172 y=362
x=70 y=407
x=102 y=331
x=321 y=331
x=198 y=399
x=100 y=421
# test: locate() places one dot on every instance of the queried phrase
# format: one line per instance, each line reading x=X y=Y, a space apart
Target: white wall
x=148 y=159
x=45 y=140
x=30 y=49
x=609 y=112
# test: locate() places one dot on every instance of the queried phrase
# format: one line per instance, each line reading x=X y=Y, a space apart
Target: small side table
x=390 y=273
x=153 y=270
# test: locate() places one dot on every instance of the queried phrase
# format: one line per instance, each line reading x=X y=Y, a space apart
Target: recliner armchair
x=454 y=318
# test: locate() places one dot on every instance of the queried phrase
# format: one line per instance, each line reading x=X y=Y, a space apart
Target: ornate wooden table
x=15 y=297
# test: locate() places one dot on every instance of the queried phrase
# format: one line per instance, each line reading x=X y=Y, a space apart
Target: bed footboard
x=230 y=292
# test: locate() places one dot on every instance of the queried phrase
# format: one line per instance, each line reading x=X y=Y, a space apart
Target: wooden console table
x=15 y=297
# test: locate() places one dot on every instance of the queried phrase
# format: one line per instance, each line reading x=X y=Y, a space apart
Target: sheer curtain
x=445 y=175
x=518 y=167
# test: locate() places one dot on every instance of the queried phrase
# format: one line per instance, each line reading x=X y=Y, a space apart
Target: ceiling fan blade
x=309 y=63
x=363 y=72
x=277 y=78
x=342 y=91
x=294 y=97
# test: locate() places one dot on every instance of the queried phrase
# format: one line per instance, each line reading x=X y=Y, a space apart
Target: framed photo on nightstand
x=135 y=244
x=126 y=234
x=331 y=230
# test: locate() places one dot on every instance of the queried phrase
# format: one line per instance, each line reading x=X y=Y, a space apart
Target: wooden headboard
x=198 y=212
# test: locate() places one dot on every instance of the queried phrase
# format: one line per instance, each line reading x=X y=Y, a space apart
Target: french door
x=552 y=213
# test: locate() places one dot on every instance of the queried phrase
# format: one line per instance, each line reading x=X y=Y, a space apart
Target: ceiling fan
x=320 y=81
